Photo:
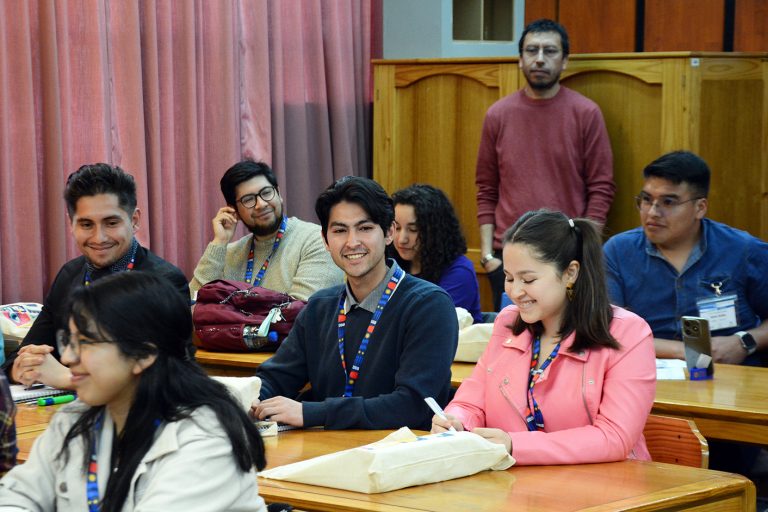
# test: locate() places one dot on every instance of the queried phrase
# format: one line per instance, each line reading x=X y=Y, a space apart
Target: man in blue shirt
x=680 y=263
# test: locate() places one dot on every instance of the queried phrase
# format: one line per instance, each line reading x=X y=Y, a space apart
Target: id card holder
x=719 y=310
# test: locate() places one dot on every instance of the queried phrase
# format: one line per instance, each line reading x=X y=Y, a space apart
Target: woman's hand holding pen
x=442 y=424
x=494 y=435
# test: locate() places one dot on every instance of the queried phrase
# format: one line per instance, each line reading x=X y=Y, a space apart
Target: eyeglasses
x=65 y=339
x=249 y=200
x=663 y=204
x=549 y=51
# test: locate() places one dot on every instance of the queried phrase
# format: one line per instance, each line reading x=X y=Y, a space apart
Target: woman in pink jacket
x=566 y=378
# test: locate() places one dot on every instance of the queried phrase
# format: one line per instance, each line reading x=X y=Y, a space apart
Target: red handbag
x=233 y=316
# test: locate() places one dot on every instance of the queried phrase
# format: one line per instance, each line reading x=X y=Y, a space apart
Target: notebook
x=21 y=394
x=271 y=428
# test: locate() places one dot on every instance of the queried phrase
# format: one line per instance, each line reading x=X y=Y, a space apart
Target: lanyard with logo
x=389 y=291
x=535 y=420
x=263 y=270
x=92 y=484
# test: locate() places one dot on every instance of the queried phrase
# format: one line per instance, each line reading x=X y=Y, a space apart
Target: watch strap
x=747 y=342
x=485 y=259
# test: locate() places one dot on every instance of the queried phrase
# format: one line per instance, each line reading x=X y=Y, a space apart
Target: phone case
x=698 y=345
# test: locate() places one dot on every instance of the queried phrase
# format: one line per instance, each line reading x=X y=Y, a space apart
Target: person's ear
x=143 y=363
x=135 y=219
x=388 y=235
x=701 y=208
x=571 y=273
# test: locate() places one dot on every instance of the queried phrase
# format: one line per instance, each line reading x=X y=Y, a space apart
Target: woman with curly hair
x=429 y=244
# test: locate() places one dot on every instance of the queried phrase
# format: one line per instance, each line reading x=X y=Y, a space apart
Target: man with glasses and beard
x=283 y=254
x=544 y=146
x=679 y=263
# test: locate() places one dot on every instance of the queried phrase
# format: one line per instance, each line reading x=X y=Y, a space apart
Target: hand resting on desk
x=36 y=364
x=494 y=435
x=280 y=409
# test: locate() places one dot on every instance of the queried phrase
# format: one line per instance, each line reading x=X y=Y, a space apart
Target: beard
x=542 y=85
x=268 y=229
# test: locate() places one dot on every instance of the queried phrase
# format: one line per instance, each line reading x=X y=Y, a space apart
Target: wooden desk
x=459 y=372
x=234 y=364
x=733 y=406
x=629 y=485
x=31 y=420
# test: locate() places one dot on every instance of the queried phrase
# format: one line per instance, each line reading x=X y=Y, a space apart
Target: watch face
x=748 y=342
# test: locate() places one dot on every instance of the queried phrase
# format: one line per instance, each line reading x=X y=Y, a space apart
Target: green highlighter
x=51 y=400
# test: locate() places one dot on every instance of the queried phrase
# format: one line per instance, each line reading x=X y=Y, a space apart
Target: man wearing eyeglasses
x=545 y=146
x=679 y=263
x=280 y=253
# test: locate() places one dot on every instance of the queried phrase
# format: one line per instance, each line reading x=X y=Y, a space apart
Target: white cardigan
x=190 y=467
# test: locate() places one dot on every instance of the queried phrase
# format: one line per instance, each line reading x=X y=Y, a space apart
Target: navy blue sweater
x=408 y=358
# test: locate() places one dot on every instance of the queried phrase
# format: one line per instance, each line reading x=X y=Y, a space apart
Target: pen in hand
x=438 y=410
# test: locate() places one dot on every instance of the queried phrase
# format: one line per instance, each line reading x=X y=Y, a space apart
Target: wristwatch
x=485 y=259
x=748 y=342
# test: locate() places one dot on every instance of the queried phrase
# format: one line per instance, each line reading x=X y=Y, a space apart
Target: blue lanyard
x=389 y=291
x=535 y=420
x=92 y=483
x=263 y=270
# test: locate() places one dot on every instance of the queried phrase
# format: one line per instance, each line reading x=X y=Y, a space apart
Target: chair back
x=676 y=441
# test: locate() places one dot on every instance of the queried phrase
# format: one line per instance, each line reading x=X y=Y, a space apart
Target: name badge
x=720 y=311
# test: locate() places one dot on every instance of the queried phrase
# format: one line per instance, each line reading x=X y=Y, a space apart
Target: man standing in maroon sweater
x=544 y=146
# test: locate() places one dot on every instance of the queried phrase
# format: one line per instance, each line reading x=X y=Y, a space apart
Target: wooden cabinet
x=428 y=116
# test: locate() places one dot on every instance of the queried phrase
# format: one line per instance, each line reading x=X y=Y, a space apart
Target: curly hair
x=440 y=238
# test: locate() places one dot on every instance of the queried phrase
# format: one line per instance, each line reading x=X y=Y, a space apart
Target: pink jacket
x=595 y=403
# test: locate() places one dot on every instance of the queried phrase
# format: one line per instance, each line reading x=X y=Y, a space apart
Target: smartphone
x=698 y=345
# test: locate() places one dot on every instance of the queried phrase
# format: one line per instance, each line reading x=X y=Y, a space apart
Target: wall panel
x=535 y=9
x=751 y=26
x=597 y=26
x=684 y=25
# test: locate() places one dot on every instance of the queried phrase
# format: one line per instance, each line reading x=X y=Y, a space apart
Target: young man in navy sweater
x=371 y=350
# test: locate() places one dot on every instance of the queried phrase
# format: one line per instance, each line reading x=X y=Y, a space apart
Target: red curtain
x=174 y=92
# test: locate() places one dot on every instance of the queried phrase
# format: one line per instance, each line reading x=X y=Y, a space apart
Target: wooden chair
x=676 y=441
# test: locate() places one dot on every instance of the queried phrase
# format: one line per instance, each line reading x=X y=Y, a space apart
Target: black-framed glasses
x=65 y=339
x=663 y=204
x=249 y=200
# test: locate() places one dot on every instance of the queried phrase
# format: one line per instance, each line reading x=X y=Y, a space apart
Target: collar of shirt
x=696 y=253
x=370 y=302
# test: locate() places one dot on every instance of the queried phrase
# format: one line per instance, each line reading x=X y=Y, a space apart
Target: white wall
x=424 y=29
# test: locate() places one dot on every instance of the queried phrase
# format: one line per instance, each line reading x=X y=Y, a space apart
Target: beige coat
x=190 y=467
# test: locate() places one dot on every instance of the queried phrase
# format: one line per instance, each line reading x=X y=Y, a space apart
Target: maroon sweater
x=552 y=153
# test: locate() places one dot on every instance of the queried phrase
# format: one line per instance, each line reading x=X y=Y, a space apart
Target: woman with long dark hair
x=429 y=244
x=150 y=430
x=566 y=377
